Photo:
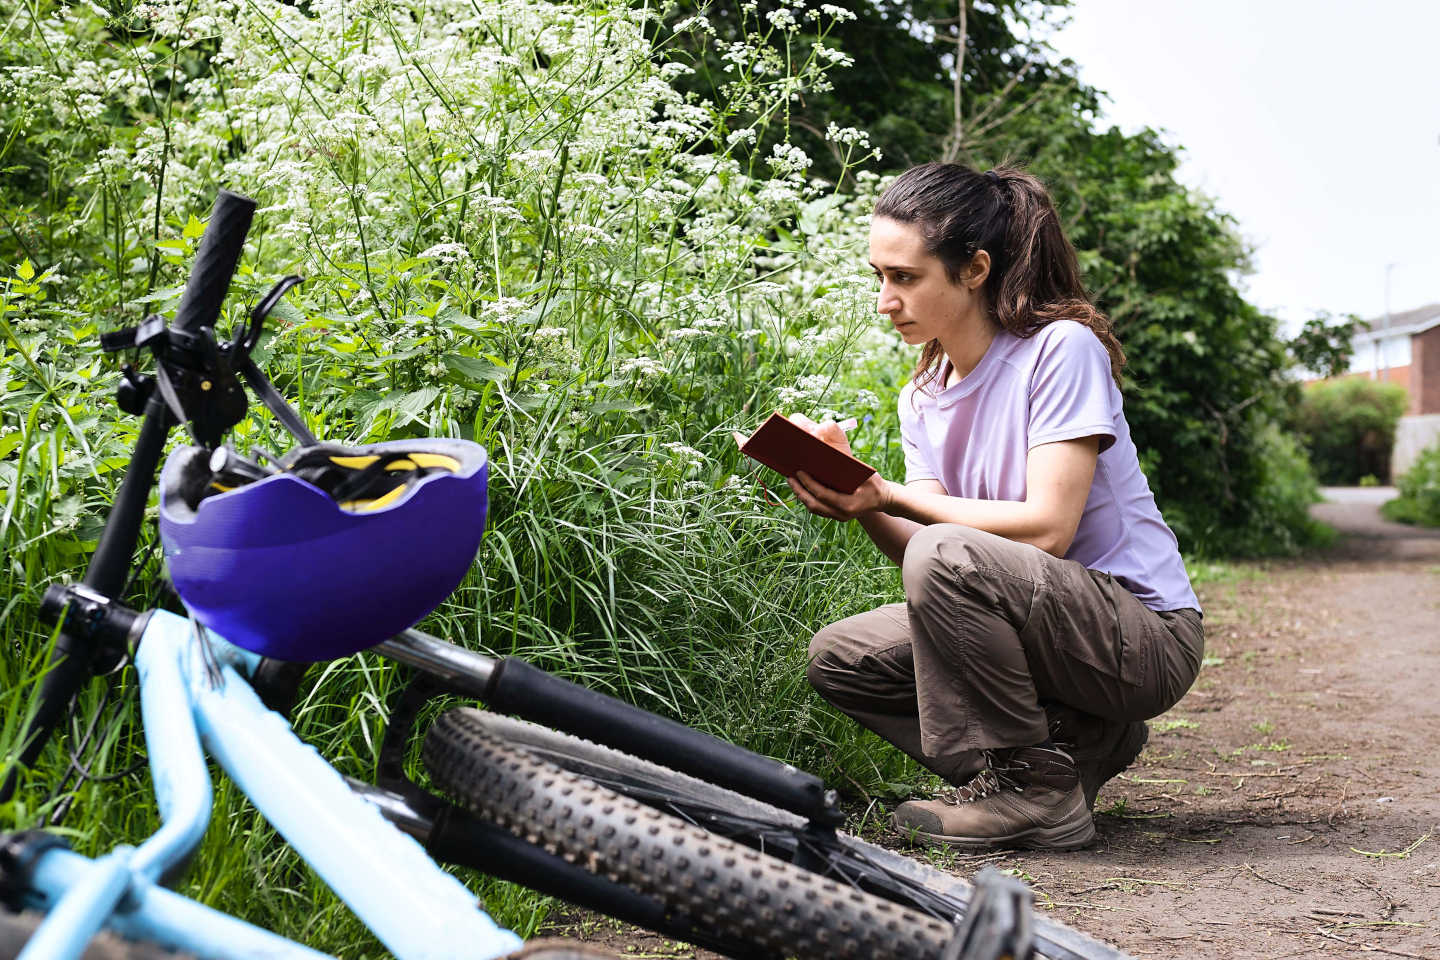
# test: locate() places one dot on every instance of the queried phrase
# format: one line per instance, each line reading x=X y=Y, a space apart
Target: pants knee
x=939 y=560
x=824 y=666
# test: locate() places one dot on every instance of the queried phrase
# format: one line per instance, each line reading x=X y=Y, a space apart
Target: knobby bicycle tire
x=843 y=858
x=17 y=928
x=725 y=887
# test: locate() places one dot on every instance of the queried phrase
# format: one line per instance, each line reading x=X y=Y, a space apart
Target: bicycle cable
x=84 y=769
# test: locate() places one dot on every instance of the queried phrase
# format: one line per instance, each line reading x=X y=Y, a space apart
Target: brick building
x=1404 y=348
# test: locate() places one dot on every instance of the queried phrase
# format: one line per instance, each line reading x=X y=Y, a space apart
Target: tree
x=901 y=86
x=1325 y=345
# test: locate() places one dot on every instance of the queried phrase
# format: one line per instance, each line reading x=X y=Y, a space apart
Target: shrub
x=1419 y=500
x=1348 y=428
x=1283 y=493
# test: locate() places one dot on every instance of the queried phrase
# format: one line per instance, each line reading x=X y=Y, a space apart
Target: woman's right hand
x=873 y=494
x=829 y=431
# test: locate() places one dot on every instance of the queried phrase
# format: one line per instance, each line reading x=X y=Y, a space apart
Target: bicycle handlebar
x=215 y=261
x=72 y=660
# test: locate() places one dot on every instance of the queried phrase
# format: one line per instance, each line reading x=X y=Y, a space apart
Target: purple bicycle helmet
x=282 y=567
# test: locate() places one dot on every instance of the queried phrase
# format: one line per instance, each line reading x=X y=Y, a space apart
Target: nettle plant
x=515 y=227
x=505 y=198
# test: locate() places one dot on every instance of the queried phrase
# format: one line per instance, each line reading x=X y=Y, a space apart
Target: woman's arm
x=891 y=533
x=1057 y=481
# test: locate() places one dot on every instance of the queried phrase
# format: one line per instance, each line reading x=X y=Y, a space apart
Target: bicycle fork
x=192 y=691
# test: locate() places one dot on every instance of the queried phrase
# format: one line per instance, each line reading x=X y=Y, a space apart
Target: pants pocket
x=1099 y=623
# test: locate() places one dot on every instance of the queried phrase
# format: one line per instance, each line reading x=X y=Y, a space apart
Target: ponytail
x=1034 y=276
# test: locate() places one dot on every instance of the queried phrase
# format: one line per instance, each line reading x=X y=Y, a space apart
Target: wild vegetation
x=1348 y=428
x=1419 y=489
x=594 y=238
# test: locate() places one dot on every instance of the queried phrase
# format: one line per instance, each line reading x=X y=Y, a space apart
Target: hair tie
x=992 y=177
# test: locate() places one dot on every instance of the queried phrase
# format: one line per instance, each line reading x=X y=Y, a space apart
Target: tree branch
x=957 y=130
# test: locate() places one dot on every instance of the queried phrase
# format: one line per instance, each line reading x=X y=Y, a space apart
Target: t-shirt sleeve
x=1071 y=391
x=912 y=439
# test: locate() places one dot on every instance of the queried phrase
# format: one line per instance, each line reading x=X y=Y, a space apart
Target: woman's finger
x=823 y=498
x=807 y=492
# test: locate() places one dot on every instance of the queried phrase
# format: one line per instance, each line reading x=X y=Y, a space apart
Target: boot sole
x=1064 y=837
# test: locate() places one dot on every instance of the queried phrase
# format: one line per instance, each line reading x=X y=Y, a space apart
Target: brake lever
x=248 y=336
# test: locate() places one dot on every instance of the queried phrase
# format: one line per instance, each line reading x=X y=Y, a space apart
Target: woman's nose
x=886 y=302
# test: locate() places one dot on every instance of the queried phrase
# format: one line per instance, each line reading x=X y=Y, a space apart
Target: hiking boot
x=1101 y=748
x=1025 y=797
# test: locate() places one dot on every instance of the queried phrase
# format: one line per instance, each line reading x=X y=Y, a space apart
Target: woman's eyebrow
x=893 y=266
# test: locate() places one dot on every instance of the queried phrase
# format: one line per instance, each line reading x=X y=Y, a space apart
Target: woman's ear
x=976 y=270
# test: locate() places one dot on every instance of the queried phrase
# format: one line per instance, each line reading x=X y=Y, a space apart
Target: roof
x=1407 y=323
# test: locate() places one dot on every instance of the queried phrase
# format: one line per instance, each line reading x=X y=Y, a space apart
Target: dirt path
x=1289 y=806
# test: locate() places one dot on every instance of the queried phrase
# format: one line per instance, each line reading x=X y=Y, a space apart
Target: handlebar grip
x=215 y=262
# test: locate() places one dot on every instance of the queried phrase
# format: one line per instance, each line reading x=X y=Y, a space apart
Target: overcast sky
x=1315 y=123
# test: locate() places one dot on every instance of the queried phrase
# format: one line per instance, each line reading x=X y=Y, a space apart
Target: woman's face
x=916 y=293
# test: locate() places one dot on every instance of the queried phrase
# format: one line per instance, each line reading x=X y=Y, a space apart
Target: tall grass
x=516 y=230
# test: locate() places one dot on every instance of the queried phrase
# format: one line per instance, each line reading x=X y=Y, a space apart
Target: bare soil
x=1289 y=805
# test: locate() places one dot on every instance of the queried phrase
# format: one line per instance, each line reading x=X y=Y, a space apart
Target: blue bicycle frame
x=194 y=692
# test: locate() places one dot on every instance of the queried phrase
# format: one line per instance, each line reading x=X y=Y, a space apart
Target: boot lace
x=1003 y=771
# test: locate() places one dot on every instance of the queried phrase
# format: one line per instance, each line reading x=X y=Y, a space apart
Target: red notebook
x=786 y=447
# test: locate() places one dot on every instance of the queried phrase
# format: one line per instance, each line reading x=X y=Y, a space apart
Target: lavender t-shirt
x=974 y=437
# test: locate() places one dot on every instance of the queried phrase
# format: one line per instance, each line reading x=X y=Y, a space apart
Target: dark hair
x=1034 y=275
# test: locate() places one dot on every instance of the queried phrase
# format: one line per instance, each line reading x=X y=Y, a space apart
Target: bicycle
x=647 y=821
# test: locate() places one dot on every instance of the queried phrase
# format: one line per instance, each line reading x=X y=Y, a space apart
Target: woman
x=1047 y=611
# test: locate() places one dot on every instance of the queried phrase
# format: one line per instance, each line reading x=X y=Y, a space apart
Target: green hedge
x=1419 y=500
x=1348 y=428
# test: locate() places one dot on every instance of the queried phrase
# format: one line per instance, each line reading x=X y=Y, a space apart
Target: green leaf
x=26 y=270
x=193 y=228
x=411 y=405
x=474 y=370
x=811 y=212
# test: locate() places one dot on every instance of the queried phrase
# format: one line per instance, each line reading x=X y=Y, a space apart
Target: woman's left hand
x=873 y=494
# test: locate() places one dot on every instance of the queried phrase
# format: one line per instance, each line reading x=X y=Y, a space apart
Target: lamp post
x=1383 y=360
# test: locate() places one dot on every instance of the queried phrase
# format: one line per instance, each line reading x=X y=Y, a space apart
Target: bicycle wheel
x=842 y=858
x=725 y=887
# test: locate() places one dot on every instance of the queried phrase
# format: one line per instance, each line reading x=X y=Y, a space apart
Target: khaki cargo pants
x=991 y=631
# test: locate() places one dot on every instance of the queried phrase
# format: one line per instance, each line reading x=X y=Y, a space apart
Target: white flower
x=504 y=310
x=680 y=451
x=446 y=253
x=587 y=235
x=805 y=390
x=700 y=23
x=783 y=19
x=786 y=158
x=643 y=369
